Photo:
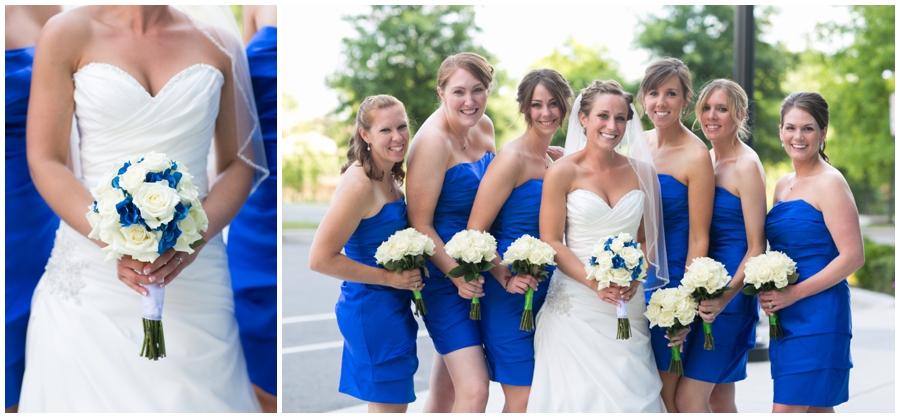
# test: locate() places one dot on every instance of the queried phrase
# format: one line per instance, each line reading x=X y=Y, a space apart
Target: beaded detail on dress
x=64 y=270
x=557 y=299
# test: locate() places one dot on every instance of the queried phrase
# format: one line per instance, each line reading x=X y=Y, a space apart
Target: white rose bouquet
x=772 y=270
x=529 y=255
x=617 y=259
x=706 y=279
x=675 y=309
x=144 y=206
x=407 y=250
x=473 y=250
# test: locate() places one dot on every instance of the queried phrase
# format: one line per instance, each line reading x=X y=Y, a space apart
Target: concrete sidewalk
x=872 y=379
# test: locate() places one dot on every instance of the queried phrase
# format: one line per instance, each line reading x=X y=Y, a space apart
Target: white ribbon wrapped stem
x=152 y=304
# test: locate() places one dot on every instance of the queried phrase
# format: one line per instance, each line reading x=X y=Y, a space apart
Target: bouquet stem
x=775 y=331
x=624 y=328
x=708 y=342
x=675 y=365
x=527 y=323
x=475 y=312
x=420 y=304
x=154 y=345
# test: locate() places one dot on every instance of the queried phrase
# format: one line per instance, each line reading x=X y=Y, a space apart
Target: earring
x=822 y=146
x=368 y=147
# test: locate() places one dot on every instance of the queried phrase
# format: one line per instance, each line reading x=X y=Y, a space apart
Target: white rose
x=429 y=245
x=199 y=217
x=416 y=245
x=157 y=203
x=603 y=260
x=666 y=318
x=401 y=244
x=156 y=162
x=106 y=207
x=632 y=256
x=620 y=277
x=187 y=191
x=617 y=245
x=141 y=244
x=189 y=234
x=133 y=178
x=471 y=255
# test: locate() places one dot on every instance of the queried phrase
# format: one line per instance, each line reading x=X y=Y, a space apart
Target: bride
x=138 y=79
x=580 y=366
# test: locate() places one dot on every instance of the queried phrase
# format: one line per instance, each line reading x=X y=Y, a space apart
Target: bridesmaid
x=736 y=234
x=687 y=185
x=30 y=223
x=373 y=311
x=447 y=160
x=253 y=234
x=815 y=222
x=507 y=198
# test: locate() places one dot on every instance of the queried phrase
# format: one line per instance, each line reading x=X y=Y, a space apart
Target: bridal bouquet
x=675 y=309
x=772 y=270
x=706 y=279
x=407 y=250
x=617 y=259
x=473 y=250
x=143 y=207
x=529 y=255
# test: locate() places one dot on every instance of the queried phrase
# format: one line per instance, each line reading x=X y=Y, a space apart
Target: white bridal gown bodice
x=580 y=366
x=85 y=332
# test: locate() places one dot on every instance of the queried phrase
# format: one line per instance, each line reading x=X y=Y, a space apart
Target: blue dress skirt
x=811 y=363
x=447 y=320
x=30 y=223
x=509 y=350
x=676 y=220
x=253 y=234
x=377 y=322
x=734 y=329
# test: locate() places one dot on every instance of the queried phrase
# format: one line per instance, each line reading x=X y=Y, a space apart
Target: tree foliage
x=581 y=65
x=398 y=50
x=703 y=38
x=858 y=81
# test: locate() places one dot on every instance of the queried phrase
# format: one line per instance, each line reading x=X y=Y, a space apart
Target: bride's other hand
x=169 y=265
x=130 y=272
x=611 y=294
x=678 y=339
x=520 y=283
x=469 y=290
x=555 y=152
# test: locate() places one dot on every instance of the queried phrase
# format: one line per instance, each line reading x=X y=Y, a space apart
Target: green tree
x=398 y=50
x=858 y=84
x=580 y=65
x=703 y=38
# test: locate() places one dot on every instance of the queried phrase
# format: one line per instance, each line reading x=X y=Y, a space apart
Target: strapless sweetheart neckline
x=130 y=78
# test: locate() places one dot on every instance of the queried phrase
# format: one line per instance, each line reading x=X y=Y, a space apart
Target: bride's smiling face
x=388 y=137
x=605 y=124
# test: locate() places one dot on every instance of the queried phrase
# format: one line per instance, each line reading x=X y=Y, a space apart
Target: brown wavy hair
x=598 y=87
x=469 y=61
x=555 y=83
x=660 y=71
x=358 y=147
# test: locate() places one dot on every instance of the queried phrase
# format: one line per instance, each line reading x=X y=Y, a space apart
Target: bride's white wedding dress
x=580 y=366
x=85 y=334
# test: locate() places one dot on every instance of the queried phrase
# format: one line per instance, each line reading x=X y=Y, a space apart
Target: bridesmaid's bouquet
x=772 y=270
x=706 y=279
x=407 y=250
x=529 y=255
x=675 y=309
x=144 y=206
x=617 y=259
x=473 y=250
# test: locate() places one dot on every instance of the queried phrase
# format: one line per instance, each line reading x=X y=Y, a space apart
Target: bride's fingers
x=160 y=262
x=131 y=272
x=162 y=273
x=136 y=287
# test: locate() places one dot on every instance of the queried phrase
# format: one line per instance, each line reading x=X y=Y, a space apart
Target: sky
x=311 y=42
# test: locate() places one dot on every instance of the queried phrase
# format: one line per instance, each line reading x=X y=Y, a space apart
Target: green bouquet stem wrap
x=420 y=304
x=708 y=342
x=470 y=272
x=675 y=365
x=775 y=331
x=527 y=323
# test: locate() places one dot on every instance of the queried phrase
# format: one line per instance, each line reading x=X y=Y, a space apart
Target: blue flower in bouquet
x=129 y=214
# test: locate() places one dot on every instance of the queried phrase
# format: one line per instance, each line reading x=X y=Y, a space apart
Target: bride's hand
x=612 y=294
x=520 y=283
x=469 y=290
x=169 y=265
x=132 y=273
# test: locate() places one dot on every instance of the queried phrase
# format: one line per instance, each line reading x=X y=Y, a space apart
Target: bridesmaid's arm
x=834 y=198
x=701 y=196
x=353 y=198
x=49 y=123
x=495 y=188
x=752 y=191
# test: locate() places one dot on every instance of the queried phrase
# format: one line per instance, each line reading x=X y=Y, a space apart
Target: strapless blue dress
x=253 y=234
x=811 y=363
x=447 y=320
x=676 y=221
x=377 y=322
x=509 y=350
x=30 y=223
x=734 y=329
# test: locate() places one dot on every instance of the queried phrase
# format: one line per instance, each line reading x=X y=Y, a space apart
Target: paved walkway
x=872 y=380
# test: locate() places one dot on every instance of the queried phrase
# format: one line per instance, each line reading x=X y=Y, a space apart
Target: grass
x=299 y=225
